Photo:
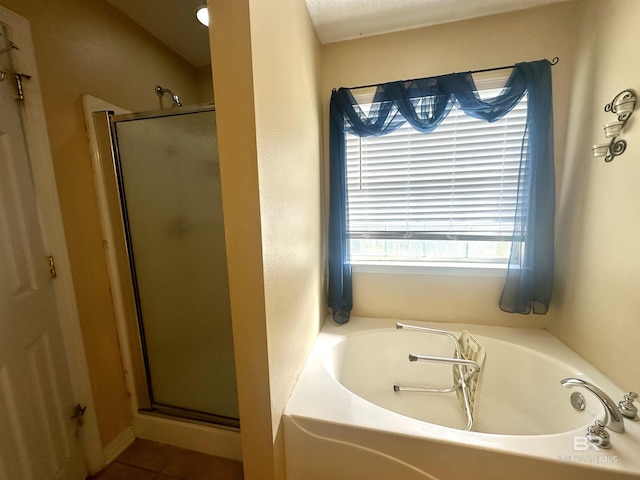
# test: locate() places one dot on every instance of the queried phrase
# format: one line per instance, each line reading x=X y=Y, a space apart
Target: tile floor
x=147 y=460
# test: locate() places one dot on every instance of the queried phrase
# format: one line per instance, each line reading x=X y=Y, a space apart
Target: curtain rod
x=554 y=61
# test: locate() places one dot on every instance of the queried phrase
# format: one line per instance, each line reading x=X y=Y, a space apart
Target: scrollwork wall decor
x=623 y=106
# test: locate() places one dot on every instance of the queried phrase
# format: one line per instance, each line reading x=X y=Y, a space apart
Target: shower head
x=161 y=91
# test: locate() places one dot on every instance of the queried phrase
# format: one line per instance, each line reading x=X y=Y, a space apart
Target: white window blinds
x=458 y=182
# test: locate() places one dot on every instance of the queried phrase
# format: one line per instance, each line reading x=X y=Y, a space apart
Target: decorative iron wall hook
x=623 y=106
x=10 y=47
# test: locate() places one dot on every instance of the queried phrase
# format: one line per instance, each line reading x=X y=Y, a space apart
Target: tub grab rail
x=472 y=370
x=467 y=361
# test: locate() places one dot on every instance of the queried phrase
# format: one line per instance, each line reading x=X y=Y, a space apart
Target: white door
x=38 y=438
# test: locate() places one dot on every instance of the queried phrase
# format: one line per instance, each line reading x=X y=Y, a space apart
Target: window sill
x=431 y=268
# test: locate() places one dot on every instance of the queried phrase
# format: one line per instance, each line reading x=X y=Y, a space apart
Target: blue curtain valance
x=425 y=103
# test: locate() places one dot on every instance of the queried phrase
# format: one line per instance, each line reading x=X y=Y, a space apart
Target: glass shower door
x=170 y=193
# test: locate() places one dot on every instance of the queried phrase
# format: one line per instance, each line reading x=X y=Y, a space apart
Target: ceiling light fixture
x=202 y=14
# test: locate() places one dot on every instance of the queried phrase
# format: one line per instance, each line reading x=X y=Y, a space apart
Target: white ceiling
x=174 y=23
x=338 y=20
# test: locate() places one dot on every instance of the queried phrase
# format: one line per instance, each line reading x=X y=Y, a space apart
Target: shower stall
x=166 y=210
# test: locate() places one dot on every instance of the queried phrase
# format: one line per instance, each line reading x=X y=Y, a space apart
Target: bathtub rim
x=315 y=383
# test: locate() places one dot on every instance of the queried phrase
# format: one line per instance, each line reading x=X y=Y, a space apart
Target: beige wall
x=265 y=63
x=526 y=35
x=596 y=310
x=88 y=47
x=288 y=126
x=204 y=82
x=233 y=89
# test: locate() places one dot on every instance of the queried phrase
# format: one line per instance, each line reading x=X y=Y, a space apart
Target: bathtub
x=345 y=421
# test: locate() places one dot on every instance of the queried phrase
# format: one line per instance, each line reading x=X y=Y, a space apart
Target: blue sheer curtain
x=425 y=103
x=530 y=275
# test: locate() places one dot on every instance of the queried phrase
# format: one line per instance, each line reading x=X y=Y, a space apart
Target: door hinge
x=19 y=77
x=52 y=267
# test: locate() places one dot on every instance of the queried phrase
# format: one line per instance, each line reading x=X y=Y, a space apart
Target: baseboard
x=118 y=445
x=220 y=441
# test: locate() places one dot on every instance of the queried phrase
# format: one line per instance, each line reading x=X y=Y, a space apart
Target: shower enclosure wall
x=167 y=172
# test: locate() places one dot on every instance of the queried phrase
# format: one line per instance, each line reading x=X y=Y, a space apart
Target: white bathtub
x=344 y=420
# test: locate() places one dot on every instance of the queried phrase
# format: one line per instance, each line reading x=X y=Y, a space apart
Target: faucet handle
x=627 y=408
x=598 y=435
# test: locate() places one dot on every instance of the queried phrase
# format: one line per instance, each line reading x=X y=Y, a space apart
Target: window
x=458 y=214
x=449 y=195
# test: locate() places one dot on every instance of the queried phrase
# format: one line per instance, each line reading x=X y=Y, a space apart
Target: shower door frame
x=104 y=122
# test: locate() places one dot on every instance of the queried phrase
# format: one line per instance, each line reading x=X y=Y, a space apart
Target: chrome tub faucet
x=613 y=418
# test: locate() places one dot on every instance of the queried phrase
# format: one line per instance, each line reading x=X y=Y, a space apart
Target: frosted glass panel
x=171 y=187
